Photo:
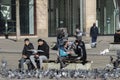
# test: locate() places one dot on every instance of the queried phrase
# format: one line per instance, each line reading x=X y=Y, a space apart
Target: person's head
x=94 y=24
x=26 y=41
x=118 y=30
x=65 y=44
x=77 y=29
x=40 y=42
x=77 y=42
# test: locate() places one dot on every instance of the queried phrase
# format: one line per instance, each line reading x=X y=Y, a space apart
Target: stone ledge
x=88 y=46
x=70 y=66
x=114 y=46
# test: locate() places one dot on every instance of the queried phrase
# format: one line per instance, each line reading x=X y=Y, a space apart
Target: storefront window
x=107 y=16
x=27 y=17
x=8 y=17
x=63 y=13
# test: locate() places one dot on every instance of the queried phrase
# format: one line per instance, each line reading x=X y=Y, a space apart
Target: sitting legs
x=40 y=58
x=32 y=58
x=23 y=61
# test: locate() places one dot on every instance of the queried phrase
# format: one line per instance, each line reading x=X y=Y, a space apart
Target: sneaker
x=78 y=58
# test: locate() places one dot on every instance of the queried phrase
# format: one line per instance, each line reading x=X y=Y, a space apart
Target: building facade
x=42 y=18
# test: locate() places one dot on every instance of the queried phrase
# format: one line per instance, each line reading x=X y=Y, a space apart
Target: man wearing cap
x=41 y=55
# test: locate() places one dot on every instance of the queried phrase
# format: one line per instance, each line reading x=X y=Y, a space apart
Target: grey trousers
x=41 y=59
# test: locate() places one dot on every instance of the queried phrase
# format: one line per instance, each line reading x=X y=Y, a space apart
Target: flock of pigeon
x=108 y=73
x=105 y=74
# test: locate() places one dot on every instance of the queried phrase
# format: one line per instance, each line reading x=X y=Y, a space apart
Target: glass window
x=106 y=16
x=8 y=17
x=63 y=13
x=27 y=17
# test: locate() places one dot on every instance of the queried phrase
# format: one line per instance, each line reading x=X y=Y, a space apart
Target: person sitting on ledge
x=26 y=54
x=64 y=54
x=41 y=56
x=80 y=50
x=117 y=36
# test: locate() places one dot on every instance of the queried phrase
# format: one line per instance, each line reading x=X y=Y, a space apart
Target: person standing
x=93 y=35
x=62 y=36
x=78 y=33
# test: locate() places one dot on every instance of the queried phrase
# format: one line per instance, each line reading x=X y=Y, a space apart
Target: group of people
x=65 y=49
x=36 y=58
x=93 y=34
x=78 y=46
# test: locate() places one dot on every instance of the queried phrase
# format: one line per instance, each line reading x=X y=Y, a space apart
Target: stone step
x=114 y=47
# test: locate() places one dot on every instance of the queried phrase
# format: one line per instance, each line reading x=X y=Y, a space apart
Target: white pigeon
x=104 y=52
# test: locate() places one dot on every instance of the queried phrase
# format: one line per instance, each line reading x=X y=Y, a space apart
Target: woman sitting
x=64 y=54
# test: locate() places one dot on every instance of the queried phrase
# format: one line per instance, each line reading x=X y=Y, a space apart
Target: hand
x=36 y=55
x=70 y=52
x=24 y=56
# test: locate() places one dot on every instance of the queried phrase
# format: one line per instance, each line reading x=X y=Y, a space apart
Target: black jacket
x=80 y=50
x=94 y=31
x=116 y=37
x=45 y=48
x=26 y=48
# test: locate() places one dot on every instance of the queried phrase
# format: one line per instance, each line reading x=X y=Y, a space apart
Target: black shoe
x=84 y=62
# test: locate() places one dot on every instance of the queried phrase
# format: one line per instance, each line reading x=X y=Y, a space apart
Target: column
x=90 y=16
x=42 y=18
x=17 y=21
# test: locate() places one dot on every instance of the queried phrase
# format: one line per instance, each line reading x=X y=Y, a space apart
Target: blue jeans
x=21 y=64
x=94 y=39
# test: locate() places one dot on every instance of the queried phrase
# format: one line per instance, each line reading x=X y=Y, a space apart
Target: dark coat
x=117 y=37
x=26 y=48
x=80 y=50
x=45 y=48
x=93 y=31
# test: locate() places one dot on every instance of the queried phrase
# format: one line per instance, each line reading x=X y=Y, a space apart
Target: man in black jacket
x=80 y=50
x=93 y=35
x=117 y=36
x=43 y=55
x=26 y=53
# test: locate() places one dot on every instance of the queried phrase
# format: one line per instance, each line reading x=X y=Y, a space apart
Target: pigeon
x=4 y=63
x=11 y=74
x=106 y=73
x=104 y=52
